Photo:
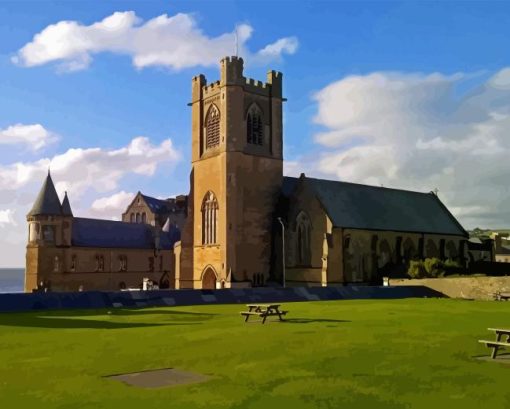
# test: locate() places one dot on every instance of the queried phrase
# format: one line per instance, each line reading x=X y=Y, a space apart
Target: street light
x=283 y=249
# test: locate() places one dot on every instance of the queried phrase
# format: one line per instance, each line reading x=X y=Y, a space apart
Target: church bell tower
x=237 y=172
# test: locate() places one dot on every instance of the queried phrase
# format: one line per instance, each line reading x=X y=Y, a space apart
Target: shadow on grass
x=310 y=320
x=73 y=318
x=74 y=323
x=120 y=312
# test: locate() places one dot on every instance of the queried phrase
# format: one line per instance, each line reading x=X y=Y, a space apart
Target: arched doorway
x=209 y=279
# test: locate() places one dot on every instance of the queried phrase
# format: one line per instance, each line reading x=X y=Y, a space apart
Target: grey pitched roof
x=357 y=206
x=66 y=207
x=288 y=185
x=47 y=202
x=159 y=206
x=113 y=234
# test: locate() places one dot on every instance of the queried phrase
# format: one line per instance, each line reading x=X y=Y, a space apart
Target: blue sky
x=407 y=95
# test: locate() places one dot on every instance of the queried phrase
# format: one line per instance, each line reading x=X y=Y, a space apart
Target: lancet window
x=209 y=219
x=212 y=127
x=303 y=227
x=254 y=127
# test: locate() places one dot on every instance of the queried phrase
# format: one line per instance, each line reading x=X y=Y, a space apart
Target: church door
x=209 y=280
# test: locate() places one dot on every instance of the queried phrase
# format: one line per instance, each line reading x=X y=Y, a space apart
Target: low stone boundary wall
x=138 y=299
x=478 y=288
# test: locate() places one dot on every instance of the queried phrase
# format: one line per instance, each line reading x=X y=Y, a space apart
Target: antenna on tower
x=236 y=43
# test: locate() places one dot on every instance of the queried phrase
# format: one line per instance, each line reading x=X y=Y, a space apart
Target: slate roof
x=66 y=207
x=357 y=206
x=47 y=202
x=114 y=234
x=158 y=206
x=288 y=185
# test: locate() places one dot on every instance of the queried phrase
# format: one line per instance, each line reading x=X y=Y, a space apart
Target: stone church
x=243 y=224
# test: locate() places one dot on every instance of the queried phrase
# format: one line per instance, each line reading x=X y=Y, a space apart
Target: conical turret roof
x=47 y=202
x=66 y=207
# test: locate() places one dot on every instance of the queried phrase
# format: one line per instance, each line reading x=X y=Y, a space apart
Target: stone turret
x=49 y=220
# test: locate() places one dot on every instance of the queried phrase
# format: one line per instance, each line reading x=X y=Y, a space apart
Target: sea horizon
x=12 y=279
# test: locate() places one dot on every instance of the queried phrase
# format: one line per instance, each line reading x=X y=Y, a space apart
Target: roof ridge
x=367 y=186
x=112 y=221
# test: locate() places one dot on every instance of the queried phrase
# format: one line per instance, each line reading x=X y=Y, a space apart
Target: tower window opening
x=212 y=127
x=254 y=128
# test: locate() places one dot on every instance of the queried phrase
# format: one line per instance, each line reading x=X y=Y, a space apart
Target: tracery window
x=303 y=227
x=254 y=128
x=209 y=219
x=212 y=127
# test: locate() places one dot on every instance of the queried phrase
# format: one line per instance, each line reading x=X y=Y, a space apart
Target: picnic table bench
x=498 y=343
x=263 y=311
x=499 y=296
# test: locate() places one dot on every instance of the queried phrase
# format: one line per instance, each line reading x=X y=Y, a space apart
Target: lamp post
x=283 y=249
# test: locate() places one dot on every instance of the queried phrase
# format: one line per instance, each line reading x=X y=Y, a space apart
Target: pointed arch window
x=212 y=127
x=209 y=219
x=254 y=128
x=303 y=228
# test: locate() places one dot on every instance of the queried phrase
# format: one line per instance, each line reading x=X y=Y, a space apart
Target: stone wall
x=140 y=299
x=478 y=288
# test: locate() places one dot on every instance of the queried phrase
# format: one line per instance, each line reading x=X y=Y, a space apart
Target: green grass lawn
x=413 y=353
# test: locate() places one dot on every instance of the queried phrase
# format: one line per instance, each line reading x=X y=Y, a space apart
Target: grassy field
x=414 y=353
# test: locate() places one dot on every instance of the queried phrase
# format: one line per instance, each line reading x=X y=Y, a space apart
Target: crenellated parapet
x=232 y=74
x=212 y=88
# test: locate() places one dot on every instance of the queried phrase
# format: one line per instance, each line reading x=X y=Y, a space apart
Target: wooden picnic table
x=498 y=343
x=499 y=296
x=263 y=311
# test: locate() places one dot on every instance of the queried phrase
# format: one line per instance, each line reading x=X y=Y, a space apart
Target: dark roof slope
x=47 y=202
x=288 y=185
x=158 y=206
x=66 y=207
x=113 y=234
x=357 y=206
x=379 y=208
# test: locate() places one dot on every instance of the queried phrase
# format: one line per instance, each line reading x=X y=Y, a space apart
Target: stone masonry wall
x=478 y=288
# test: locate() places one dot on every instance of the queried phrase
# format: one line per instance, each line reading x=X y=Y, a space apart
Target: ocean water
x=12 y=280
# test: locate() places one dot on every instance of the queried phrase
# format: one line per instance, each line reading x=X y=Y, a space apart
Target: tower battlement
x=231 y=69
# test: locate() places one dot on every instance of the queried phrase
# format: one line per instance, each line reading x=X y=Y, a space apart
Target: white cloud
x=170 y=41
x=34 y=137
x=91 y=176
x=7 y=218
x=94 y=168
x=111 y=207
x=417 y=131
